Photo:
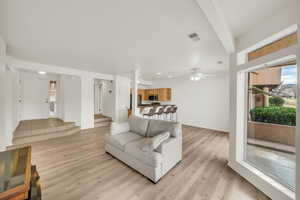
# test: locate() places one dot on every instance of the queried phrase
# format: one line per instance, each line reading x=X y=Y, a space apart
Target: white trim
x=238 y=108
x=22 y=64
x=135 y=79
x=298 y=119
x=217 y=20
x=287 y=53
x=243 y=55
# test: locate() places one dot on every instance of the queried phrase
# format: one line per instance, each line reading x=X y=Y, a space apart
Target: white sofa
x=127 y=141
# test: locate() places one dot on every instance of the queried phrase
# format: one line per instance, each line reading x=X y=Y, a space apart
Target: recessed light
x=158 y=73
x=42 y=72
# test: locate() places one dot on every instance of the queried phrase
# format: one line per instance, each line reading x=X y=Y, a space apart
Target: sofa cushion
x=158 y=126
x=120 y=140
x=153 y=142
x=151 y=158
x=138 y=125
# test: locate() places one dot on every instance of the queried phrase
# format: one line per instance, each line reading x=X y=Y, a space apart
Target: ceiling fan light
x=195 y=77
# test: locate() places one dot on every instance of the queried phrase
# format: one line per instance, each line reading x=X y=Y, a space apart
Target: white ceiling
x=118 y=36
x=244 y=15
x=111 y=36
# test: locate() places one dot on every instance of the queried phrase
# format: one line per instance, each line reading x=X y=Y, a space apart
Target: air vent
x=194 y=36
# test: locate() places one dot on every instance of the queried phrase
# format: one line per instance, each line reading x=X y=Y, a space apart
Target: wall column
x=87 y=102
x=121 y=92
x=2 y=114
x=4 y=139
x=116 y=98
x=135 y=78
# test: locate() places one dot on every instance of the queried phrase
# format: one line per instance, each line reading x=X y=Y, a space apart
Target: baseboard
x=193 y=126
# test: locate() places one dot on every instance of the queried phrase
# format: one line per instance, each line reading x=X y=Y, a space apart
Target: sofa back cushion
x=158 y=126
x=138 y=125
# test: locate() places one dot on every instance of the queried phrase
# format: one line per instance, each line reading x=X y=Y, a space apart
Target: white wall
x=69 y=99
x=8 y=105
x=3 y=137
x=121 y=92
x=87 y=102
x=107 y=98
x=201 y=104
x=9 y=92
x=30 y=89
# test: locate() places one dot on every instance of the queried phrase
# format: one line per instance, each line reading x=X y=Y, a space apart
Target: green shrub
x=276 y=101
x=274 y=115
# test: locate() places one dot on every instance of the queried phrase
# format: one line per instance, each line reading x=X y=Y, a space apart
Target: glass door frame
x=238 y=120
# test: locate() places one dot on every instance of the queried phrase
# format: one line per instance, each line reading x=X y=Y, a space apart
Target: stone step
x=104 y=119
x=42 y=131
x=102 y=124
x=45 y=136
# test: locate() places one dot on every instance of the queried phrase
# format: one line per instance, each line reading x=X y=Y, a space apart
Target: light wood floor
x=39 y=124
x=76 y=167
x=99 y=116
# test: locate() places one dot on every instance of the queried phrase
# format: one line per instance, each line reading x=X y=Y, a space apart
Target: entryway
x=30 y=131
x=103 y=102
x=38 y=94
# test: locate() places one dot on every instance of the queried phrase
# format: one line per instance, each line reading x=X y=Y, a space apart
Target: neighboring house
x=266 y=80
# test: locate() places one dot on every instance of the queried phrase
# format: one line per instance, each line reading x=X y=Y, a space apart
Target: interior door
x=98 y=98
x=35 y=102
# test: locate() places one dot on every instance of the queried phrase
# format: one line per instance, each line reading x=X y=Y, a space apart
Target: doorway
x=52 y=99
x=98 y=92
x=38 y=96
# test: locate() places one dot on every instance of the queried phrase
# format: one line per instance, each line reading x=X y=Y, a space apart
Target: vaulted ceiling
x=243 y=15
x=118 y=36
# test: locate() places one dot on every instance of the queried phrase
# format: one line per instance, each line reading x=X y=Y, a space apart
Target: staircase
x=39 y=134
x=102 y=121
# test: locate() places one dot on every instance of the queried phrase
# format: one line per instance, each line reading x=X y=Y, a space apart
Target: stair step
x=42 y=131
x=45 y=136
x=102 y=124
x=104 y=119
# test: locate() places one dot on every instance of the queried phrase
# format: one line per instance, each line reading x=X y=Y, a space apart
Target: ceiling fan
x=197 y=75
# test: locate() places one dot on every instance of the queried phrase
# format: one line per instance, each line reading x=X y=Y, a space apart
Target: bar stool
x=159 y=111
x=150 y=113
x=167 y=112
x=174 y=111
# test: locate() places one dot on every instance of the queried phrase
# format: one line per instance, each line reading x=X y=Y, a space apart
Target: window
x=271 y=121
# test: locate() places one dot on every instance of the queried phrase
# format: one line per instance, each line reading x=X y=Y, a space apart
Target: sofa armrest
x=117 y=128
x=171 y=152
x=168 y=146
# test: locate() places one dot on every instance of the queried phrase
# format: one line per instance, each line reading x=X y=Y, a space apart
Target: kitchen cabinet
x=142 y=93
x=163 y=94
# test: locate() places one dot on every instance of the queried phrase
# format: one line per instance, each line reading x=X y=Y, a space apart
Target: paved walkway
x=278 y=165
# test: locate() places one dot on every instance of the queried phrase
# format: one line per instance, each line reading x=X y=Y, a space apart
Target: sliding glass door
x=271 y=121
